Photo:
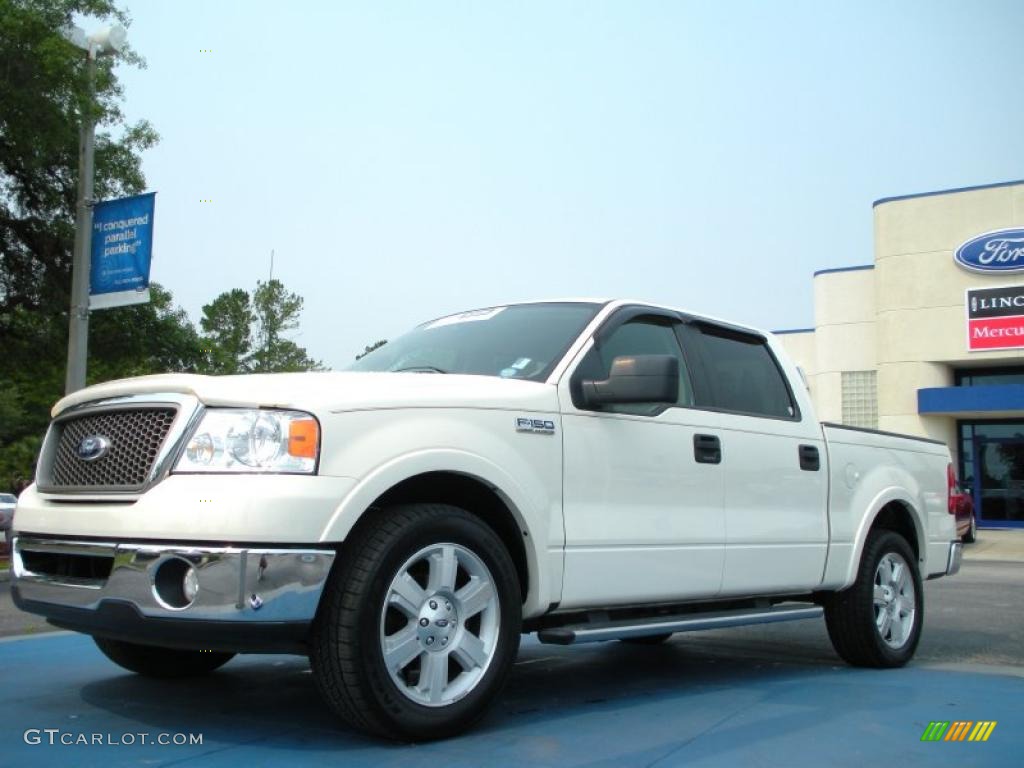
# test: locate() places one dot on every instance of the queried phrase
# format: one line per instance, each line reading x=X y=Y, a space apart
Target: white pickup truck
x=585 y=470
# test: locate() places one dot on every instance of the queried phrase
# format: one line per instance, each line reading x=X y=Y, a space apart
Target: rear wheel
x=877 y=621
x=154 y=661
x=419 y=623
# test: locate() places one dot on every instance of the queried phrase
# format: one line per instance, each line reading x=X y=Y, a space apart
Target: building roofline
x=946 y=191
x=793 y=330
x=856 y=268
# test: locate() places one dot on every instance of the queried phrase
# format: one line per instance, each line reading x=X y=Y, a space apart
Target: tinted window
x=744 y=376
x=639 y=337
x=520 y=341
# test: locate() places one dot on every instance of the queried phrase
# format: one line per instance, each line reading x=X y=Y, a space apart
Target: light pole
x=106 y=41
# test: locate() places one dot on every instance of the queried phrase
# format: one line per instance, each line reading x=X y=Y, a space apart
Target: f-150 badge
x=539 y=426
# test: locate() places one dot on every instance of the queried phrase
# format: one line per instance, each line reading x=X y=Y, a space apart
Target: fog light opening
x=175 y=583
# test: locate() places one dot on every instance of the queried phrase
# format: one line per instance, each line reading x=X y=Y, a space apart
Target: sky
x=409 y=160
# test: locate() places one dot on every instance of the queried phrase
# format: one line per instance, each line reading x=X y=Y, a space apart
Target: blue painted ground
x=600 y=705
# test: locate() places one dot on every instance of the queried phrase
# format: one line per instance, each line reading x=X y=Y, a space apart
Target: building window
x=989 y=377
x=860 y=399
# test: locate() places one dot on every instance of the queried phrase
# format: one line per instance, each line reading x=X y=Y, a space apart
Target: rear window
x=744 y=375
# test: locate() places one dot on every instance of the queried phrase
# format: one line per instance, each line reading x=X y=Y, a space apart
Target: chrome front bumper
x=956 y=551
x=132 y=589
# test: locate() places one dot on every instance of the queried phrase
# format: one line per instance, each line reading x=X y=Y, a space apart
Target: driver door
x=644 y=519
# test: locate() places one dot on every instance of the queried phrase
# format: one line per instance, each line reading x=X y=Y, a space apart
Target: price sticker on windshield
x=465 y=317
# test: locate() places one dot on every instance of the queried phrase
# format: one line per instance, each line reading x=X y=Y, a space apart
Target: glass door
x=999 y=480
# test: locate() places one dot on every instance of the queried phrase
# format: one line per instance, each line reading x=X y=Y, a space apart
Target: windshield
x=520 y=341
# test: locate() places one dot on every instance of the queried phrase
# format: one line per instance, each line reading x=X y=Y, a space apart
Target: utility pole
x=78 y=327
x=107 y=41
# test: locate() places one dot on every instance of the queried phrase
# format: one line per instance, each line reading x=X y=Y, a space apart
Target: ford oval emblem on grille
x=93 y=447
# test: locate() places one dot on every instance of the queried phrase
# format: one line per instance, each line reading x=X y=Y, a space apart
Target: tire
x=647 y=639
x=451 y=639
x=866 y=633
x=972 y=532
x=154 y=661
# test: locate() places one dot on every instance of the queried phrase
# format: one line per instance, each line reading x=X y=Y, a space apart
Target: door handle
x=810 y=459
x=707 y=449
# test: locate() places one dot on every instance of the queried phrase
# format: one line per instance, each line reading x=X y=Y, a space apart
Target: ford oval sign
x=93 y=447
x=1000 y=251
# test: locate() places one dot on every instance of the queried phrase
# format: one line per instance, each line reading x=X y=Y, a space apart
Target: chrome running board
x=592 y=632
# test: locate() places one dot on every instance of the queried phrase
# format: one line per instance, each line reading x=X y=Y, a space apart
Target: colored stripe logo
x=958 y=730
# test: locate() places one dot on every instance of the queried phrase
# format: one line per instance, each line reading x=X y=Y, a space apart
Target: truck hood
x=333 y=391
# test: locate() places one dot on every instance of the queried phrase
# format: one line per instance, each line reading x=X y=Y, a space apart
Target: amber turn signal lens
x=303 y=436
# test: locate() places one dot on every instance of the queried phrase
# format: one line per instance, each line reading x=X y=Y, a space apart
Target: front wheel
x=154 y=661
x=419 y=623
x=876 y=622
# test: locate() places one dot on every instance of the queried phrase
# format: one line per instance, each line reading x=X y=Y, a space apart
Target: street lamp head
x=108 y=40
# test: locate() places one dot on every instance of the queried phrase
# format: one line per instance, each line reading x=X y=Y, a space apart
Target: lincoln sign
x=995 y=318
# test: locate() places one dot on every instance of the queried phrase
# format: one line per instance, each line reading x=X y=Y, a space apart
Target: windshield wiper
x=420 y=369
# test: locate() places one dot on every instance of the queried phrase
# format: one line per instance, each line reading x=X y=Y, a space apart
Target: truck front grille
x=135 y=437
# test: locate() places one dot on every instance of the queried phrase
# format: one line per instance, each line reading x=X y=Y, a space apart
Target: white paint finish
x=888 y=469
x=776 y=513
x=643 y=519
x=329 y=391
x=271 y=509
x=383 y=447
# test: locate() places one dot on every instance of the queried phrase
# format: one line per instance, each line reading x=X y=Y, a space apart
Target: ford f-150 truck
x=585 y=470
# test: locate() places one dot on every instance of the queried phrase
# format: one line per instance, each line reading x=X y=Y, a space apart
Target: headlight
x=250 y=440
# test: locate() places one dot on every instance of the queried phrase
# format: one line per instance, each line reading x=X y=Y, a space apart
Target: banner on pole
x=122 y=248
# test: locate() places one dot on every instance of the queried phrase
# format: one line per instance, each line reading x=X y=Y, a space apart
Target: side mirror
x=636 y=379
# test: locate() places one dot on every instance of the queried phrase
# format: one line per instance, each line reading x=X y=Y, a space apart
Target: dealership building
x=929 y=339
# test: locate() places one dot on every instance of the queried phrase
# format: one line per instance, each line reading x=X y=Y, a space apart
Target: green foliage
x=227 y=328
x=243 y=333
x=277 y=312
x=143 y=339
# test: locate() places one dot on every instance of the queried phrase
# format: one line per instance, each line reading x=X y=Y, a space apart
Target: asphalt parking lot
x=770 y=695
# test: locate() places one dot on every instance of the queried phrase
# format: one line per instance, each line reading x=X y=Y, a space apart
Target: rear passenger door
x=773 y=457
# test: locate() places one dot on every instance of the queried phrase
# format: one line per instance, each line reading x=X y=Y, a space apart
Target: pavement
x=602 y=705
x=997 y=544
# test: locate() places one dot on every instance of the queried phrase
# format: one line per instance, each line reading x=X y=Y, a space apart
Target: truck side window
x=637 y=337
x=743 y=374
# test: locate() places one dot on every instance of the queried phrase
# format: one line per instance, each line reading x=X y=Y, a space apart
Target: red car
x=963 y=505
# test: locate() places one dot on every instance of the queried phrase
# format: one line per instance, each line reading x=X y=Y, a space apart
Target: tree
x=245 y=334
x=370 y=348
x=227 y=328
x=143 y=338
x=277 y=312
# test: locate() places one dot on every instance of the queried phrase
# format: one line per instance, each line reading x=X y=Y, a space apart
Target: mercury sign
x=122 y=246
x=999 y=251
x=995 y=318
